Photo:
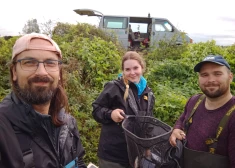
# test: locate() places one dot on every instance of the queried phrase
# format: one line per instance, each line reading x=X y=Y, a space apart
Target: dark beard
x=218 y=93
x=38 y=95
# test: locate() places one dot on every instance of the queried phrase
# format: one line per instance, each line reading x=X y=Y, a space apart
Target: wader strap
x=212 y=142
x=190 y=119
x=224 y=121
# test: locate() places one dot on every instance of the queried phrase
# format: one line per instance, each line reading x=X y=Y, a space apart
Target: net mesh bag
x=147 y=142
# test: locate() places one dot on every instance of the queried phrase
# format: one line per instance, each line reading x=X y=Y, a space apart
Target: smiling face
x=39 y=86
x=132 y=70
x=214 y=80
x=132 y=66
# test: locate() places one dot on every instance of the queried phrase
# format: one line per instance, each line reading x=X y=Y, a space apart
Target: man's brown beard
x=37 y=95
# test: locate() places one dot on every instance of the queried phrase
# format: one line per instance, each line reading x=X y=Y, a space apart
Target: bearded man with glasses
x=35 y=128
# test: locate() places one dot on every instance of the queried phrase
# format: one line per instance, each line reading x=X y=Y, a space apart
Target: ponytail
x=127 y=88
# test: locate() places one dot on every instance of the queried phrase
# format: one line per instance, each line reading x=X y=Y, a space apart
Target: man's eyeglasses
x=28 y=64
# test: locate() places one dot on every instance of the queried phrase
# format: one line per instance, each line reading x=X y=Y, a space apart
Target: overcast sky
x=202 y=19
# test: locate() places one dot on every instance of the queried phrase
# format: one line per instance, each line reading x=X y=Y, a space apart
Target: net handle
x=124 y=115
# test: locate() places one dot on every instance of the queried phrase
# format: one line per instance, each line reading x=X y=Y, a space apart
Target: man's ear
x=14 y=75
x=231 y=76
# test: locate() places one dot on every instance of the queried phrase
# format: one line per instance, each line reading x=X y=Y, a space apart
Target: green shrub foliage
x=5 y=57
x=91 y=58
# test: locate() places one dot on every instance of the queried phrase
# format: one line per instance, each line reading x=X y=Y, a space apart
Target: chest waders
x=199 y=159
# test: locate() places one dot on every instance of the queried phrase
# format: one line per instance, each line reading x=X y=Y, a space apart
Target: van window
x=163 y=25
x=168 y=26
x=159 y=27
x=115 y=22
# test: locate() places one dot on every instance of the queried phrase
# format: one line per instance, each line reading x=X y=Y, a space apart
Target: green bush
x=91 y=58
x=5 y=57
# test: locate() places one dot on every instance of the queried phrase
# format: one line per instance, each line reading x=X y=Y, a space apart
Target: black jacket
x=112 y=144
x=51 y=147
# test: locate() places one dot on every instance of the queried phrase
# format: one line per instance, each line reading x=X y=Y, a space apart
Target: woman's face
x=132 y=70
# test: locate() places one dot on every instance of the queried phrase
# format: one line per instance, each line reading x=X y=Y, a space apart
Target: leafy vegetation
x=91 y=58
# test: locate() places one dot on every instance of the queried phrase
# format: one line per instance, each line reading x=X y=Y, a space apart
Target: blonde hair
x=131 y=55
x=127 y=88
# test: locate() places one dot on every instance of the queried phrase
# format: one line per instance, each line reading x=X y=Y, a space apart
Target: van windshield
x=115 y=22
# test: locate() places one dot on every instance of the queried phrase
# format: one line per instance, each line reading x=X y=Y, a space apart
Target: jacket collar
x=23 y=115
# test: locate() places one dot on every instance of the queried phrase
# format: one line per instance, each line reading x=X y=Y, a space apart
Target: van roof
x=139 y=19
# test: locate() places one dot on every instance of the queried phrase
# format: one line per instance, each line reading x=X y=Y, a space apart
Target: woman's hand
x=117 y=116
x=176 y=134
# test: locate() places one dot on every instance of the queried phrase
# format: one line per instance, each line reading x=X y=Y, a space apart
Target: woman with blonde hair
x=130 y=95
